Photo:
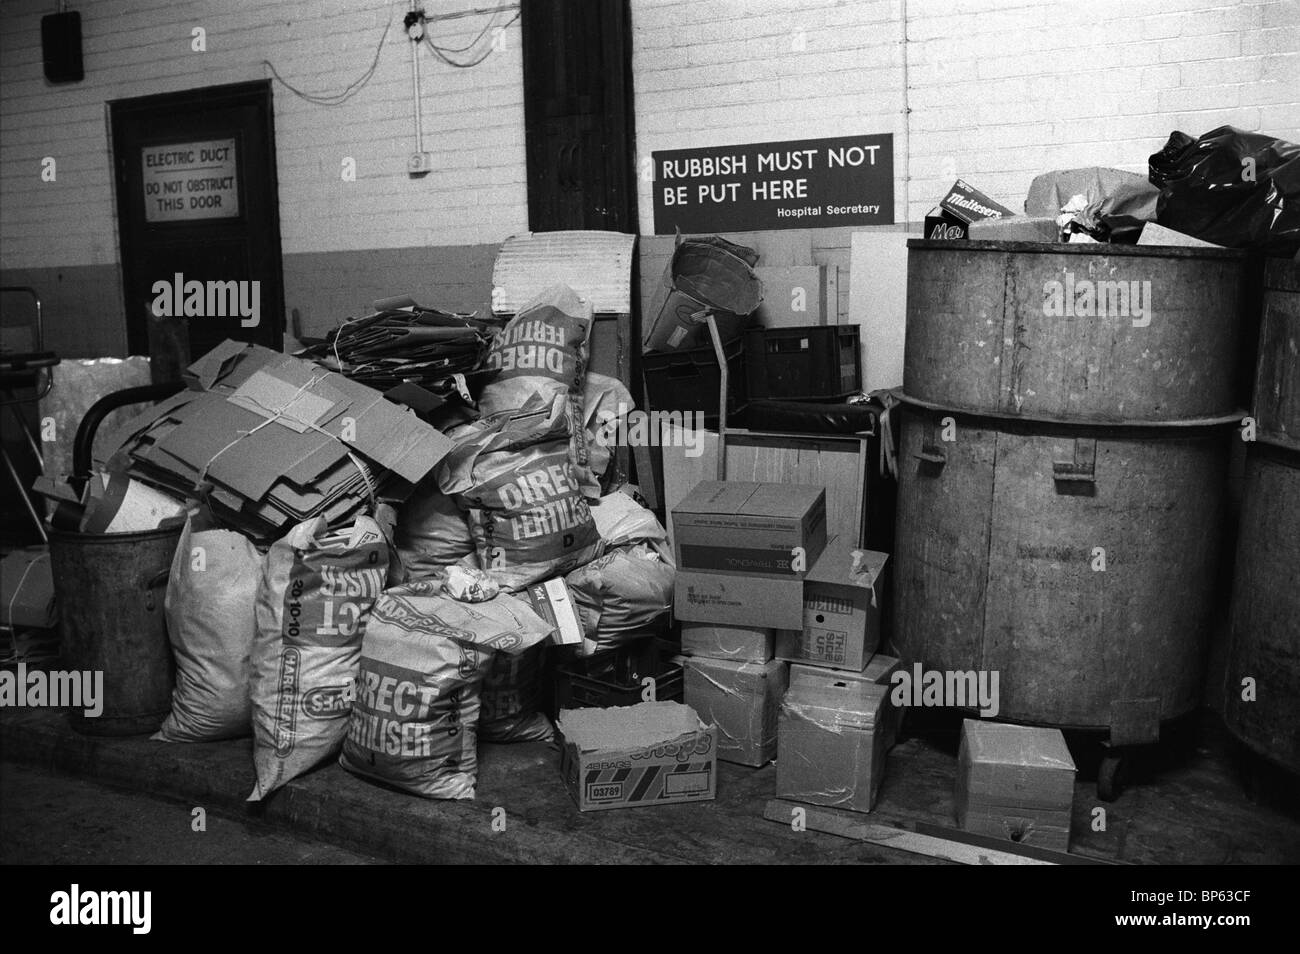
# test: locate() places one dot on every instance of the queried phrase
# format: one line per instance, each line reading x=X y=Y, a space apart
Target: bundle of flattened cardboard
x=273 y=440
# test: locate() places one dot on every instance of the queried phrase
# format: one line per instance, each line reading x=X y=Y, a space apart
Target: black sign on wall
x=802 y=184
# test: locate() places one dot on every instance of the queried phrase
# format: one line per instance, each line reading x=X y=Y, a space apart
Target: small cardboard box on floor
x=1015 y=782
x=742 y=700
x=841 y=610
x=654 y=753
x=831 y=741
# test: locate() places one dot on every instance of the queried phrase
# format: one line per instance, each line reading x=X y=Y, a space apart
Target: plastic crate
x=690 y=380
x=802 y=363
x=614 y=678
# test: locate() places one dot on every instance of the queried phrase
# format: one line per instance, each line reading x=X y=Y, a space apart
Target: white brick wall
x=473 y=122
x=998 y=90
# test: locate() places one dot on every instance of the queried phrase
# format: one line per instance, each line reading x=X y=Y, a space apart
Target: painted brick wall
x=473 y=122
x=996 y=90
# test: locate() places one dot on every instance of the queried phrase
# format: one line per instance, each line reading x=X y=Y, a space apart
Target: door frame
x=250 y=93
x=624 y=130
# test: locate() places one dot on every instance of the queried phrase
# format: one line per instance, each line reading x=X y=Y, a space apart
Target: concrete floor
x=1190 y=807
x=51 y=819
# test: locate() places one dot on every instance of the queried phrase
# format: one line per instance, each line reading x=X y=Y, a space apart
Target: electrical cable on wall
x=441 y=52
x=336 y=99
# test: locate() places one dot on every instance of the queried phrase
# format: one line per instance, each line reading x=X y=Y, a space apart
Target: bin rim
x=1079 y=248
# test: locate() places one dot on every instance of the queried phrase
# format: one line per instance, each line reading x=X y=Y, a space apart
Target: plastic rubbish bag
x=211 y=623
x=1230 y=187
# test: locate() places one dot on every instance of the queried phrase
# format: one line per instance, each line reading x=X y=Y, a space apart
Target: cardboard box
x=1015 y=782
x=743 y=527
x=701 y=597
x=655 y=753
x=813 y=289
x=879 y=672
x=832 y=751
x=742 y=700
x=1016 y=228
x=967 y=204
x=939 y=226
x=841 y=610
x=737 y=643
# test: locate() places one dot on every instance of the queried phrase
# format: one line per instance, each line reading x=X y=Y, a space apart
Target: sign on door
x=190 y=180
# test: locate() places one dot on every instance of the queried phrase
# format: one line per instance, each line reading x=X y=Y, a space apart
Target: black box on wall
x=61 y=47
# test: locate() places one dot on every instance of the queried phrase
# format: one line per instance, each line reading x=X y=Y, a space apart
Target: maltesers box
x=742 y=700
x=737 y=643
x=831 y=745
x=967 y=204
x=940 y=226
x=879 y=672
x=841 y=610
x=744 y=527
x=1015 y=782
x=653 y=753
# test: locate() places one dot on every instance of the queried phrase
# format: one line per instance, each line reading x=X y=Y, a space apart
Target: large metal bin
x=1265 y=635
x=1005 y=328
x=1276 y=404
x=998 y=564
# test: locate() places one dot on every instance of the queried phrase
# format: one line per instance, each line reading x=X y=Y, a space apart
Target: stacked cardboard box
x=834 y=732
x=742 y=549
x=756 y=578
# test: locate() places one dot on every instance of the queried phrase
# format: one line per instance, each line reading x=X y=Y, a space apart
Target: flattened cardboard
x=1015 y=782
x=747 y=527
x=840 y=627
x=805 y=287
x=654 y=753
x=742 y=700
x=737 y=643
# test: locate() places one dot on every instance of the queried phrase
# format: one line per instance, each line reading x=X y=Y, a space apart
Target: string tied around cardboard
x=201 y=484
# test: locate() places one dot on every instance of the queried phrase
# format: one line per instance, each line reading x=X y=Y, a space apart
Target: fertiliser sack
x=542 y=352
x=527 y=513
x=605 y=406
x=620 y=594
x=431 y=531
x=416 y=718
x=211 y=594
x=621 y=521
x=512 y=690
x=315 y=596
